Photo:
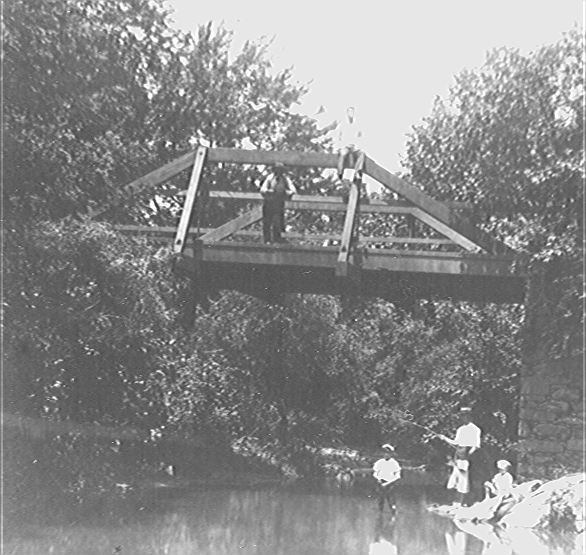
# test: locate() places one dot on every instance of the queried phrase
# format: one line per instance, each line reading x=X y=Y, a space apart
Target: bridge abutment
x=551 y=427
x=552 y=410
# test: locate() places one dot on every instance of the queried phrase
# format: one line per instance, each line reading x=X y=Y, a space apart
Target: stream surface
x=297 y=519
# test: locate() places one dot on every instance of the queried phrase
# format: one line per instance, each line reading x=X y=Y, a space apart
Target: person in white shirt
x=502 y=483
x=467 y=441
x=386 y=472
x=276 y=189
x=348 y=141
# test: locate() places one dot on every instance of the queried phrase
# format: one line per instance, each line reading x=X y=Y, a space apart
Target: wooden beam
x=248 y=196
x=148 y=181
x=217 y=155
x=242 y=221
x=237 y=156
x=192 y=191
x=309 y=256
x=348 y=230
x=167 y=232
x=324 y=203
x=269 y=157
x=445 y=230
x=343 y=267
x=269 y=254
x=436 y=210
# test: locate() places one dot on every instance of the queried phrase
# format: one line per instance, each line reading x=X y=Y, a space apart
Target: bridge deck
x=390 y=274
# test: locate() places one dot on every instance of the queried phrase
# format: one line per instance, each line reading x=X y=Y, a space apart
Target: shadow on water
x=298 y=519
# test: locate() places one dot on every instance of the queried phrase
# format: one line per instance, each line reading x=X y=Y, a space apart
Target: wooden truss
x=483 y=256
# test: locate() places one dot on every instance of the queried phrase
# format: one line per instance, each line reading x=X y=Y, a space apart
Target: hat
x=388 y=446
x=503 y=464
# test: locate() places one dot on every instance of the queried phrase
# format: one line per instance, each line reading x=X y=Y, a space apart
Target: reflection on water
x=281 y=521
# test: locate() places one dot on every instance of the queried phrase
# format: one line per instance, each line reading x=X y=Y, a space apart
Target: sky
x=388 y=59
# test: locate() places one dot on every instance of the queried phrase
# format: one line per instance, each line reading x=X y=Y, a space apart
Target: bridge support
x=190 y=200
x=552 y=410
x=346 y=265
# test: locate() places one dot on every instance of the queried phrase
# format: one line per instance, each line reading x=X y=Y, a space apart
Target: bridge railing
x=328 y=205
x=439 y=216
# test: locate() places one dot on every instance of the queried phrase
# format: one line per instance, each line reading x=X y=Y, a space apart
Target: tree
x=84 y=105
x=98 y=93
x=509 y=140
x=92 y=316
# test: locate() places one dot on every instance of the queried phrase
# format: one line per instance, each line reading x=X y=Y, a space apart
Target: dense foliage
x=98 y=93
x=510 y=140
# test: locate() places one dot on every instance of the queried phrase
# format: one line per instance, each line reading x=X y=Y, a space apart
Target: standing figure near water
x=386 y=472
x=276 y=189
x=467 y=441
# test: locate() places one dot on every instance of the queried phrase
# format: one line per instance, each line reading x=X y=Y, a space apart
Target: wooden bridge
x=436 y=254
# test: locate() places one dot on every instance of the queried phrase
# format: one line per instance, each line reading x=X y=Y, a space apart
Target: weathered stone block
x=542 y=459
x=553 y=432
x=532 y=401
x=538 y=414
x=552 y=419
x=536 y=385
x=542 y=446
x=566 y=394
x=574 y=421
x=560 y=407
x=575 y=444
x=570 y=366
x=574 y=460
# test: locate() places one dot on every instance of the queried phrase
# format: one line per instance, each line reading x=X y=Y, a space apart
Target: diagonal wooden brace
x=190 y=199
x=440 y=214
x=348 y=231
x=343 y=263
x=343 y=266
x=359 y=167
x=231 y=227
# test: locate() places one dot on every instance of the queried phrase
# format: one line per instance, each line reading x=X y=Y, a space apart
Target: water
x=296 y=520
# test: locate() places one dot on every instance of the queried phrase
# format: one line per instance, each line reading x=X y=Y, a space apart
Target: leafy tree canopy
x=98 y=93
x=509 y=140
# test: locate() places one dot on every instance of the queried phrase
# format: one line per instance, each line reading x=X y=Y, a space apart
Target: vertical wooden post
x=411 y=222
x=190 y=198
x=411 y=228
x=348 y=233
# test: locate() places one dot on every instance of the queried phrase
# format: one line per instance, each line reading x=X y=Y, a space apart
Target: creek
x=296 y=519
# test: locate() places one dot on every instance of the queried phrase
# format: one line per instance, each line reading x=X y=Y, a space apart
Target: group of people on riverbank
x=467 y=440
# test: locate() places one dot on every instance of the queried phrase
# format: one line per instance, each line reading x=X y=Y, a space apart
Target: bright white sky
x=387 y=58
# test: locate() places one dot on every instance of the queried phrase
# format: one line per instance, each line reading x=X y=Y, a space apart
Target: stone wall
x=551 y=428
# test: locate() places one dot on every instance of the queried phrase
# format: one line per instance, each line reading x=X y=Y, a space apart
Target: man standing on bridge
x=348 y=139
x=276 y=189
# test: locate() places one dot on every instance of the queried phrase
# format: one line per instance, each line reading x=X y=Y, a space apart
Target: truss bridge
x=419 y=248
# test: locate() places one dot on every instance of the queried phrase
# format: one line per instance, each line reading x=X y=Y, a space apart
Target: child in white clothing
x=502 y=483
